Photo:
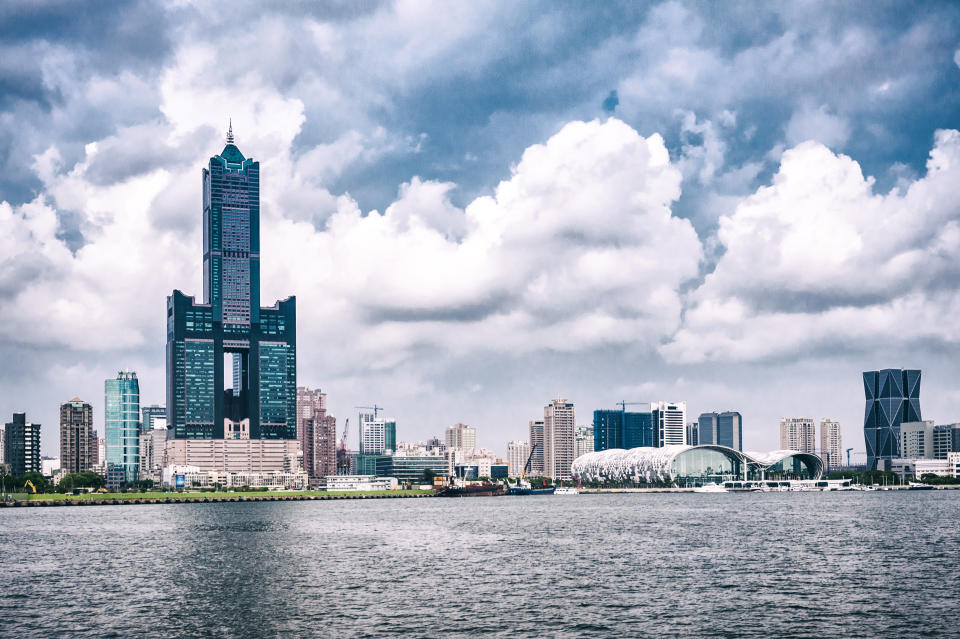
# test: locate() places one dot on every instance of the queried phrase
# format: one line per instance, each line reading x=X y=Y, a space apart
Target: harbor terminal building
x=694 y=465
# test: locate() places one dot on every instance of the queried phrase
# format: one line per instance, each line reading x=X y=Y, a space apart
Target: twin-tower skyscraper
x=262 y=400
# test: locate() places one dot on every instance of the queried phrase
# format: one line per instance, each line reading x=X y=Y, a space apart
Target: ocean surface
x=881 y=564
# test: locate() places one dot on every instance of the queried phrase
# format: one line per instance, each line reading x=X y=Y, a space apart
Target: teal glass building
x=122 y=427
x=622 y=429
x=892 y=398
x=261 y=342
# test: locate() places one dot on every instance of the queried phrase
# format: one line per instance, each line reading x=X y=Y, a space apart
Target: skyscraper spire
x=230 y=132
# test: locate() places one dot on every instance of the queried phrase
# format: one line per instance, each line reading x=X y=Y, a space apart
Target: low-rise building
x=193 y=477
x=409 y=468
x=360 y=482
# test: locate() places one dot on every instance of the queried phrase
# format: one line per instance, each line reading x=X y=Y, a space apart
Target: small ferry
x=710 y=488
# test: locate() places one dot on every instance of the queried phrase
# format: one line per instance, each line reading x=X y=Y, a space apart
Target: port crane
x=527 y=466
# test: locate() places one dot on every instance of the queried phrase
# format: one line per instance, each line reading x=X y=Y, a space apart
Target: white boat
x=566 y=490
x=710 y=488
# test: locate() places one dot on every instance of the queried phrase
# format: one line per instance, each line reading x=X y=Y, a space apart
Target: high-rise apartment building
x=892 y=397
x=317 y=434
x=583 y=441
x=559 y=424
x=831 y=444
x=122 y=427
x=536 y=446
x=517 y=454
x=77 y=444
x=797 y=433
x=21 y=445
x=720 y=429
x=262 y=404
x=461 y=436
x=669 y=423
x=622 y=429
x=3 y=443
x=152 y=443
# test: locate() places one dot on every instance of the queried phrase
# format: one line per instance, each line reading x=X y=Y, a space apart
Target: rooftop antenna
x=230 y=132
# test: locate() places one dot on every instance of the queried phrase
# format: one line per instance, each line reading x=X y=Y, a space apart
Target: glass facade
x=262 y=341
x=791 y=467
x=892 y=397
x=409 y=468
x=390 y=435
x=622 y=429
x=698 y=466
x=122 y=426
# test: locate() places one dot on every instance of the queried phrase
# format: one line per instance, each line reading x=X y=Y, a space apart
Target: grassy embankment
x=225 y=494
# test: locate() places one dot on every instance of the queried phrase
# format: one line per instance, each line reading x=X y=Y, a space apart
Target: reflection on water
x=800 y=564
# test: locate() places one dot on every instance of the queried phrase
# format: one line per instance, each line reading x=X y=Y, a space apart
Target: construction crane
x=343 y=460
x=376 y=409
x=848 y=456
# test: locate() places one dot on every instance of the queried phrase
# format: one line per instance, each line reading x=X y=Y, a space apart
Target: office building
x=669 y=423
x=536 y=447
x=49 y=466
x=234 y=455
x=583 y=441
x=917 y=440
x=122 y=427
x=517 y=454
x=946 y=440
x=461 y=436
x=373 y=434
x=693 y=433
x=345 y=483
x=618 y=428
x=797 y=433
x=831 y=444
x=390 y=436
x=410 y=468
x=721 y=429
x=3 y=455
x=77 y=444
x=262 y=403
x=21 y=445
x=558 y=438
x=153 y=416
x=892 y=397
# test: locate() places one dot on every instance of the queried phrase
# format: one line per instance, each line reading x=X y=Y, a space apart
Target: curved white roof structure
x=658 y=464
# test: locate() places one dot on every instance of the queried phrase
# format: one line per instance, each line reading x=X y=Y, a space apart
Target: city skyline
x=429 y=253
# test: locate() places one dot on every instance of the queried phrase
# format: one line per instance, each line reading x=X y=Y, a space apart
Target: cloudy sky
x=480 y=206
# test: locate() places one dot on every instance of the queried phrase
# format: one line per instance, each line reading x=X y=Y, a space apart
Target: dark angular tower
x=893 y=397
x=262 y=341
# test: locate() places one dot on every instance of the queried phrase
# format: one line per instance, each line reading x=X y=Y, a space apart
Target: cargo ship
x=472 y=490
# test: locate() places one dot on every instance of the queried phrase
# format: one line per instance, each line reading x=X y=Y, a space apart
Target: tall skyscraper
x=892 y=397
x=461 y=436
x=536 y=445
x=517 y=454
x=3 y=443
x=558 y=438
x=21 y=445
x=617 y=428
x=390 y=436
x=77 y=444
x=721 y=429
x=669 y=423
x=583 y=441
x=122 y=427
x=831 y=444
x=797 y=433
x=230 y=321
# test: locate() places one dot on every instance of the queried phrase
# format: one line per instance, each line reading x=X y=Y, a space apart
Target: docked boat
x=472 y=490
x=524 y=487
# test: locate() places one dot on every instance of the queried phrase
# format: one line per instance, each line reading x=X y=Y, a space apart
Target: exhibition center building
x=695 y=465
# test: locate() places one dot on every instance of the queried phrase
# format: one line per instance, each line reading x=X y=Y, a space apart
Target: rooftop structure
x=694 y=465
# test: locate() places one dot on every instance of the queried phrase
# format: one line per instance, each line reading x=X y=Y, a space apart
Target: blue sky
x=482 y=205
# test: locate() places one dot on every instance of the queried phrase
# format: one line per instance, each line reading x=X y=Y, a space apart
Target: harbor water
x=881 y=564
